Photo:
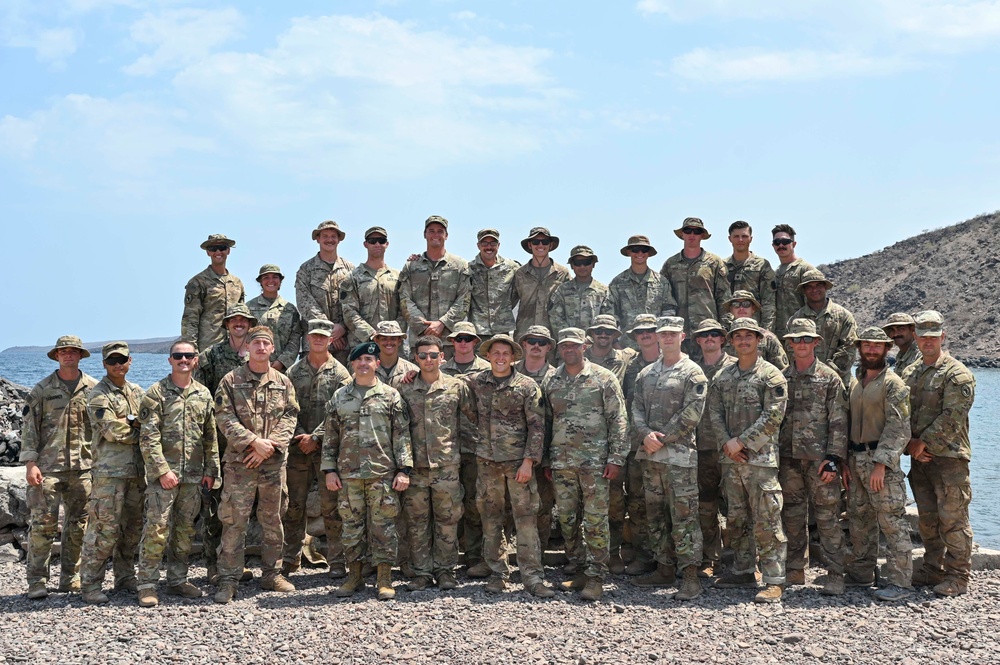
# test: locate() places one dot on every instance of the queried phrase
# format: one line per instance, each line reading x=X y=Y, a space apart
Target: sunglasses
x=603 y=332
x=376 y=241
x=217 y=248
x=710 y=333
x=541 y=241
x=801 y=340
x=638 y=249
x=582 y=262
x=116 y=360
x=186 y=355
x=781 y=242
x=741 y=303
x=489 y=243
x=537 y=342
x=465 y=339
x=692 y=232
x=433 y=355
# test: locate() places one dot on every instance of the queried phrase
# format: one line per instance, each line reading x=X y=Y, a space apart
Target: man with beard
x=901 y=328
x=490 y=308
x=210 y=294
x=317 y=285
x=639 y=289
x=370 y=294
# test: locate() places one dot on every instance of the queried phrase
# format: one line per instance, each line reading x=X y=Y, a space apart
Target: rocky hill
x=152 y=345
x=954 y=270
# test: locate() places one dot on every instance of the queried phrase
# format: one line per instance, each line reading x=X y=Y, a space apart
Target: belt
x=861 y=447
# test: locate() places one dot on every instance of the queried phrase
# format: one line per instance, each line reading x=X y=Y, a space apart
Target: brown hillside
x=955 y=270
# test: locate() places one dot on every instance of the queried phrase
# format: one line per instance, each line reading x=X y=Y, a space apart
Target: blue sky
x=131 y=129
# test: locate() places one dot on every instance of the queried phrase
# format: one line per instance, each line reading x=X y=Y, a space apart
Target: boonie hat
x=692 y=223
x=217 y=239
x=463 y=328
x=268 y=268
x=388 y=329
x=643 y=322
x=240 y=309
x=872 y=334
x=745 y=323
x=536 y=331
x=485 y=347
x=605 y=322
x=328 y=224
x=801 y=328
x=68 y=342
x=638 y=241
x=742 y=295
x=536 y=231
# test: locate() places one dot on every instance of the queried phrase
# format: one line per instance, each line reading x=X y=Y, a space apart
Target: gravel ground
x=469 y=626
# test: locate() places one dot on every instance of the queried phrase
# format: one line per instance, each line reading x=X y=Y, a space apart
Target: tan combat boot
x=148 y=598
x=834 y=585
x=664 y=575
x=225 y=594
x=275 y=582
x=353 y=582
x=770 y=594
x=690 y=585
x=593 y=590
x=384 y=582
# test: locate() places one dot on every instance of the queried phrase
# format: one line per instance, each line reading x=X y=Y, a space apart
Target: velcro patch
x=700 y=389
x=780 y=391
x=218 y=400
x=967 y=391
x=188 y=298
x=100 y=412
x=144 y=413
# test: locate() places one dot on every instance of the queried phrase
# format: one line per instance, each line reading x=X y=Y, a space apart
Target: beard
x=874 y=363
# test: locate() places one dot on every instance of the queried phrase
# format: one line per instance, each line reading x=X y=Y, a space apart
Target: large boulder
x=12 y=398
x=13 y=497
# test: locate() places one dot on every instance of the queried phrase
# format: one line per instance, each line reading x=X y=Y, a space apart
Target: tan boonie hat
x=692 y=223
x=388 y=329
x=899 y=319
x=240 y=310
x=572 y=335
x=638 y=241
x=488 y=233
x=485 y=347
x=745 y=323
x=68 y=342
x=218 y=239
x=814 y=275
x=114 y=348
x=539 y=231
x=269 y=268
x=708 y=325
x=328 y=224
x=669 y=324
x=320 y=327
x=872 y=334
x=536 y=331
x=929 y=323
x=463 y=328
x=801 y=328
x=376 y=231
x=436 y=219
x=643 y=322
x=584 y=251
x=741 y=295
x=604 y=322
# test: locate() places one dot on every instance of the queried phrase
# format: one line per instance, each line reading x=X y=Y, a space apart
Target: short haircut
x=740 y=224
x=183 y=342
x=428 y=340
x=783 y=228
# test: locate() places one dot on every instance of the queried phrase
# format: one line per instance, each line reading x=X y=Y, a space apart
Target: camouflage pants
x=433 y=507
x=300 y=473
x=943 y=491
x=709 y=491
x=672 y=513
x=211 y=526
x=584 y=492
x=867 y=513
x=800 y=485
x=472 y=524
x=627 y=497
x=114 y=524
x=369 y=508
x=242 y=486
x=754 y=498
x=546 y=502
x=168 y=531
x=73 y=488
x=495 y=480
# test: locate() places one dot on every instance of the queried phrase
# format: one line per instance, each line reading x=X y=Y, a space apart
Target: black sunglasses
x=710 y=333
x=433 y=355
x=217 y=248
x=186 y=355
x=116 y=360
x=465 y=339
x=541 y=241
x=805 y=339
x=639 y=249
x=537 y=342
x=781 y=242
x=691 y=231
x=376 y=241
x=582 y=262
x=741 y=303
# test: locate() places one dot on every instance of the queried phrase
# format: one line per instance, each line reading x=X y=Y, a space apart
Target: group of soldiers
x=661 y=401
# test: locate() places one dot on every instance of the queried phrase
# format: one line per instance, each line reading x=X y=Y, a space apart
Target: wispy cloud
x=752 y=65
x=181 y=36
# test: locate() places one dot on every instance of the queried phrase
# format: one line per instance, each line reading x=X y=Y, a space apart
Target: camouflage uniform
x=770 y=349
x=616 y=361
x=574 y=304
x=700 y=287
x=207 y=297
x=282 y=318
x=56 y=436
x=490 y=308
x=586 y=417
x=756 y=276
x=788 y=298
x=114 y=520
x=434 y=291
x=439 y=414
x=912 y=356
x=392 y=375
x=248 y=408
x=366 y=440
x=632 y=294
x=368 y=297
x=750 y=405
x=178 y=434
x=544 y=486
x=710 y=474
x=317 y=292
x=838 y=331
x=532 y=292
x=670 y=400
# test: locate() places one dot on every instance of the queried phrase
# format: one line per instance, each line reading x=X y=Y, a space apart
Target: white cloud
x=955 y=20
x=17 y=137
x=181 y=36
x=689 y=10
x=751 y=65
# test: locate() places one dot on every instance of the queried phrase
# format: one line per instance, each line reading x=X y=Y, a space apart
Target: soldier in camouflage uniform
x=441 y=408
x=585 y=416
x=942 y=391
x=604 y=332
x=812 y=448
x=788 y=298
x=746 y=404
x=279 y=315
x=743 y=304
x=317 y=285
x=750 y=272
x=535 y=281
x=114 y=519
x=370 y=294
x=209 y=295
x=315 y=378
x=492 y=278
x=256 y=410
x=669 y=400
x=180 y=451
x=576 y=302
x=367 y=457
x=901 y=328
x=511 y=439
x=55 y=451
x=392 y=369
x=639 y=289
x=879 y=429
x=834 y=323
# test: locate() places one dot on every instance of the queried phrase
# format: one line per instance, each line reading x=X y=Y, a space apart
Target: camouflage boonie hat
x=572 y=335
x=536 y=231
x=536 y=331
x=68 y=342
x=692 y=223
x=114 y=348
x=899 y=319
x=388 y=329
x=364 y=349
x=638 y=241
x=260 y=332
x=604 y=322
x=328 y=224
x=708 y=325
x=872 y=334
x=240 y=310
x=741 y=295
x=642 y=322
x=376 y=231
x=320 y=327
x=745 y=323
x=463 y=328
x=801 y=328
x=217 y=239
x=485 y=347
x=929 y=323
x=269 y=268
x=814 y=275
x=584 y=251
x=436 y=219
x=488 y=233
x=670 y=324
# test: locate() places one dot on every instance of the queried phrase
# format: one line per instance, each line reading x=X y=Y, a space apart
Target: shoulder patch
x=144 y=413
x=188 y=297
x=343 y=293
x=699 y=389
x=100 y=413
x=966 y=390
x=780 y=391
x=218 y=399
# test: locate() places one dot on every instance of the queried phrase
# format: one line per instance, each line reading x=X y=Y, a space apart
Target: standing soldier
x=745 y=406
x=669 y=400
x=788 y=298
x=279 y=315
x=55 y=450
x=490 y=308
x=178 y=444
x=813 y=448
x=942 y=391
x=367 y=458
x=834 y=323
x=743 y=304
x=210 y=294
x=370 y=294
x=879 y=428
x=576 y=302
x=317 y=285
x=391 y=369
x=315 y=378
x=901 y=328
x=750 y=272
x=256 y=411
x=639 y=289
x=535 y=281
x=114 y=522
x=604 y=332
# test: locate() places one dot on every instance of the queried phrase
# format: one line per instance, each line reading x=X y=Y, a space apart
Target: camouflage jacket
x=756 y=276
x=511 y=417
x=670 y=400
x=215 y=362
x=538 y=376
x=815 y=423
x=468 y=436
x=57 y=430
x=585 y=420
x=478 y=364
x=116 y=442
x=787 y=297
x=770 y=349
x=574 y=305
x=705 y=434
x=838 y=330
x=632 y=294
x=392 y=376
x=366 y=436
x=248 y=408
x=282 y=318
x=207 y=296
x=617 y=361
x=368 y=297
x=178 y=432
x=904 y=360
x=749 y=405
x=880 y=412
x=434 y=291
x=490 y=308
x=441 y=415
x=532 y=295
x=700 y=286
x=313 y=389
x=317 y=288
x=941 y=396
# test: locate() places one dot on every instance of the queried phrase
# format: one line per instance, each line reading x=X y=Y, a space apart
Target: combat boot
x=275 y=582
x=481 y=570
x=795 y=577
x=337 y=570
x=707 y=570
x=69 y=585
x=148 y=598
x=419 y=583
x=130 y=585
x=225 y=594
x=769 y=594
x=639 y=567
x=742 y=581
x=892 y=593
x=247 y=575
x=185 y=590
x=690 y=585
x=664 y=575
x=951 y=587
x=615 y=564
x=37 y=591
x=593 y=590
x=446 y=581
x=289 y=567
x=834 y=585
x=924 y=577
x=354 y=581
x=575 y=583
x=94 y=597
x=496 y=584
x=384 y=582
x=212 y=574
